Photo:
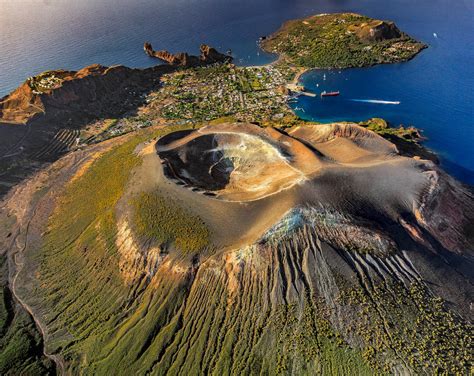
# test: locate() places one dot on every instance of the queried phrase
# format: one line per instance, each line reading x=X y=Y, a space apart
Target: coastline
x=282 y=60
x=297 y=72
x=413 y=148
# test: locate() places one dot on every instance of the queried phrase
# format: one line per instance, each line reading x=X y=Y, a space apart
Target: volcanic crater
x=231 y=165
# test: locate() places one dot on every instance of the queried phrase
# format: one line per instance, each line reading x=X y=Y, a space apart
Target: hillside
x=43 y=118
x=342 y=269
x=341 y=40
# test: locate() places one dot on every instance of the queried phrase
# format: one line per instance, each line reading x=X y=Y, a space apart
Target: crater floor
x=233 y=164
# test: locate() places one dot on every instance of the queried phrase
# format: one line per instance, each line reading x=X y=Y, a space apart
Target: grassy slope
x=104 y=326
x=412 y=324
x=82 y=293
x=407 y=140
x=164 y=221
x=325 y=42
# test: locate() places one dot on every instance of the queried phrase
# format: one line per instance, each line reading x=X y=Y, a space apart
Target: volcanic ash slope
x=315 y=250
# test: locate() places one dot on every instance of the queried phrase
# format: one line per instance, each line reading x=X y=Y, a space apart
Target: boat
x=330 y=94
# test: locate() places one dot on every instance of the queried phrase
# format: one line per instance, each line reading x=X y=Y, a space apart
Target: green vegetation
x=47 y=81
x=406 y=139
x=206 y=93
x=235 y=318
x=165 y=221
x=411 y=325
x=340 y=41
x=381 y=127
x=78 y=282
x=21 y=345
x=82 y=232
x=310 y=335
x=105 y=129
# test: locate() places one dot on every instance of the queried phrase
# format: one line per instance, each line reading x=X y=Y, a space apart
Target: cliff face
x=181 y=59
x=92 y=92
x=208 y=55
x=21 y=105
x=60 y=103
x=378 y=31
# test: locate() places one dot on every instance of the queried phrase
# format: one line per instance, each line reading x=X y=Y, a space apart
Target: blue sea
x=435 y=90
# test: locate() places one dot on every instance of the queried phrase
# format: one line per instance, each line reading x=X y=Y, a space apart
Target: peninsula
x=341 y=40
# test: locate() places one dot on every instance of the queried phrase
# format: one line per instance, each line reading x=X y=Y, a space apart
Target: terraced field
x=61 y=142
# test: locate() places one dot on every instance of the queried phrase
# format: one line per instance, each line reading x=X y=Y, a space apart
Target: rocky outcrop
x=20 y=105
x=57 y=104
x=377 y=31
x=182 y=58
x=209 y=55
x=91 y=92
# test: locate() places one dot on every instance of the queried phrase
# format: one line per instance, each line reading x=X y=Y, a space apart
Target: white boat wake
x=377 y=101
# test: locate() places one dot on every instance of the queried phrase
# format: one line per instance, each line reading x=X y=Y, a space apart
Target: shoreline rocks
x=208 y=55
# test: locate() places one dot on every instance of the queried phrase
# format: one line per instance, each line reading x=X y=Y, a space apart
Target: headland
x=341 y=40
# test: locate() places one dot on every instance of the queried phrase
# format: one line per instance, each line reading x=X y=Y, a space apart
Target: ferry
x=330 y=94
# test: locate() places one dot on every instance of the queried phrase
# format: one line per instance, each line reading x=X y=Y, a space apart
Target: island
x=181 y=219
x=341 y=40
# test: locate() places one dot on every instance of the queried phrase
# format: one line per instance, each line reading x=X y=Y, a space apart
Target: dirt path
x=28 y=208
x=18 y=267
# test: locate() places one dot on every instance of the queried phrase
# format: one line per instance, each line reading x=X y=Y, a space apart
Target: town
x=215 y=93
x=253 y=94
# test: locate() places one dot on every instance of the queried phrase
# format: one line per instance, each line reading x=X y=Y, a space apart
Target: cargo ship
x=330 y=94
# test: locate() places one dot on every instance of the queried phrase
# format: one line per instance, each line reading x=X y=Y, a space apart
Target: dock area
x=299 y=90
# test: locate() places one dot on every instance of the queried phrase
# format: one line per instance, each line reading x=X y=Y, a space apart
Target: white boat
x=376 y=101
